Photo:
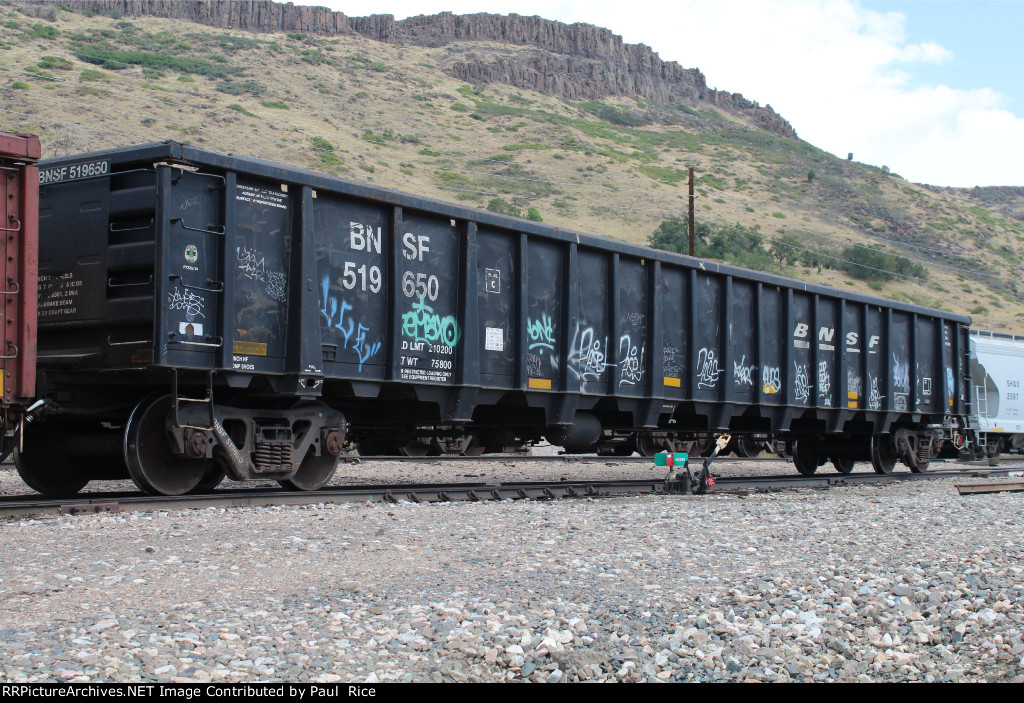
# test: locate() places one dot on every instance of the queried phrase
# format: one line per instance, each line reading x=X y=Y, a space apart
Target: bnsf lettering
x=363 y=238
x=415 y=247
x=52 y=175
x=851 y=339
x=825 y=334
x=801 y=330
x=70 y=173
x=873 y=341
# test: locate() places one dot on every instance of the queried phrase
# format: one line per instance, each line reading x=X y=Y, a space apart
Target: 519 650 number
x=73 y=172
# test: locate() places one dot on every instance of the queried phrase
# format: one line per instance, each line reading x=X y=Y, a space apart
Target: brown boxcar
x=18 y=253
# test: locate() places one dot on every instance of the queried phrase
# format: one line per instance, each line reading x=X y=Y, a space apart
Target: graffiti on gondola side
x=707 y=368
x=742 y=373
x=188 y=301
x=672 y=361
x=631 y=362
x=251 y=263
x=874 y=397
x=534 y=365
x=900 y=375
x=353 y=332
x=824 y=383
x=801 y=383
x=771 y=380
x=422 y=324
x=635 y=319
x=541 y=333
x=276 y=283
x=362 y=348
x=900 y=382
x=853 y=381
x=587 y=355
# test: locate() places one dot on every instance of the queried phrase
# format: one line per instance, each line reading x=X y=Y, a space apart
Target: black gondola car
x=204 y=314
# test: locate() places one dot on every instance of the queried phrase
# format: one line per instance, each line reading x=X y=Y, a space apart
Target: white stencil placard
x=495 y=339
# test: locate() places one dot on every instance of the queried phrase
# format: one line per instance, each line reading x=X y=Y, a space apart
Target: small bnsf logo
x=73 y=172
x=825 y=334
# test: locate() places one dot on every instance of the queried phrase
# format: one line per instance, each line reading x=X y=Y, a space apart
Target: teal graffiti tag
x=423 y=325
x=542 y=334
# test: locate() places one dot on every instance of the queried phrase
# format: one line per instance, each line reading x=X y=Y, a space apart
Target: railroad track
x=1017 y=462
x=29 y=506
x=545 y=458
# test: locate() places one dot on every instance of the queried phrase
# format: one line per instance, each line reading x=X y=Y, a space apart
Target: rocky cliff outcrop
x=577 y=61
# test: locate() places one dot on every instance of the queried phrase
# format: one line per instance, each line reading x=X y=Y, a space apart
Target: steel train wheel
x=649 y=445
x=415 y=448
x=843 y=464
x=215 y=473
x=43 y=464
x=747 y=447
x=473 y=447
x=147 y=451
x=313 y=474
x=920 y=468
x=883 y=454
x=624 y=449
x=805 y=457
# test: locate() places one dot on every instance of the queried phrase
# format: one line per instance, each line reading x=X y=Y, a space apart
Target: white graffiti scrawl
x=631 y=369
x=771 y=380
x=853 y=382
x=707 y=369
x=250 y=263
x=742 y=373
x=824 y=382
x=874 y=397
x=188 y=301
x=672 y=360
x=801 y=383
x=276 y=286
x=253 y=266
x=587 y=355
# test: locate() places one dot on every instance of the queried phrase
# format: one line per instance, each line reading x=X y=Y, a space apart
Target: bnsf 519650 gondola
x=203 y=315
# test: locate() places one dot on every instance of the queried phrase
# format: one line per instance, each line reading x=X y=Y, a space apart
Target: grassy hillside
x=390 y=115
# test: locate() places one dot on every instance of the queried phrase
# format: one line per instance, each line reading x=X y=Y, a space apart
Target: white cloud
x=839 y=71
x=928 y=52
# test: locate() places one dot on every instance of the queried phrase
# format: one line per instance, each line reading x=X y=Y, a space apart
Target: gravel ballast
x=898 y=582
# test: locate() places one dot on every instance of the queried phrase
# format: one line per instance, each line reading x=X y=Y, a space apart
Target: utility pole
x=691 y=211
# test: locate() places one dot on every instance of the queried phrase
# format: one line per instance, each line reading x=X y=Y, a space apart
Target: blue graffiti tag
x=363 y=350
x=423 y=325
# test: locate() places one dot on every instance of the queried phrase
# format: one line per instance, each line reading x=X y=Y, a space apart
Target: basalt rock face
x=577 y=61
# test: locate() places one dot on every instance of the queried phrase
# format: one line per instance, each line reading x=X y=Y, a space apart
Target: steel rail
x=565 y=458
x=22 y=506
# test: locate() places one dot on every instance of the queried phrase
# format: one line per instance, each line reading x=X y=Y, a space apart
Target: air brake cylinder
x=583 y=433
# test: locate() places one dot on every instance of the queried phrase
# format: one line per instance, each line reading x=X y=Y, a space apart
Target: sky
x=929 y=88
